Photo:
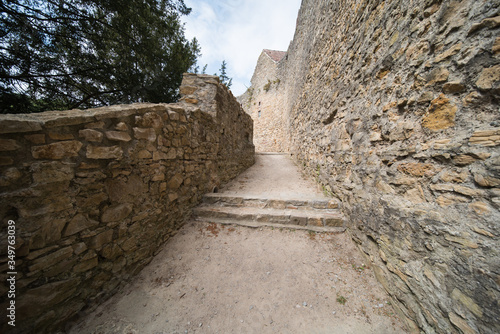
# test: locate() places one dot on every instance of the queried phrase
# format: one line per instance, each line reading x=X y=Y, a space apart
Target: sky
x=237 y=31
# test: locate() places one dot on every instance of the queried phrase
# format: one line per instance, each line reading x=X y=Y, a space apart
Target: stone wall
x=263 y=101
x=396 y=105
x=94 y=193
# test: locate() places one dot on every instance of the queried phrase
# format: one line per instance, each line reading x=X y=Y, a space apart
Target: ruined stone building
x=263 y=100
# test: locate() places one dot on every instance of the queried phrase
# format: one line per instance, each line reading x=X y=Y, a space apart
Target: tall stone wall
x=396 y=105
x=263 y=101
x=94 y=193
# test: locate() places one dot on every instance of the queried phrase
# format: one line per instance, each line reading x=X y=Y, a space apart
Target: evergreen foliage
x=223 y=75
x=63 y=54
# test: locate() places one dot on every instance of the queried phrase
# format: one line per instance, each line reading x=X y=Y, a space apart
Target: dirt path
x=213 y=278
x=273 y=176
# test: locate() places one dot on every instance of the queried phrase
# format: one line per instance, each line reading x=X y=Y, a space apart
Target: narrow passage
x=216 y=278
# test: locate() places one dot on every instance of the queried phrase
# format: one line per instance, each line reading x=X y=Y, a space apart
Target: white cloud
x=237 y=31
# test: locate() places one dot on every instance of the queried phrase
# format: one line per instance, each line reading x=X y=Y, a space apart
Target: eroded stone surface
x=95 y=193
x=393 y=107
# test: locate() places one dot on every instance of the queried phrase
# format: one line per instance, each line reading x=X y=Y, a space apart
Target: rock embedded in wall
x=394 y=106
x=94 y=193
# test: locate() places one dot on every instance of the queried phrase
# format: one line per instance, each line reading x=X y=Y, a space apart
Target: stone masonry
x=263 y=102
x=394 y=105
x=94 y=193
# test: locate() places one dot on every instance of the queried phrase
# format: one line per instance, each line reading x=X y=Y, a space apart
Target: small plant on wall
x=267 y=86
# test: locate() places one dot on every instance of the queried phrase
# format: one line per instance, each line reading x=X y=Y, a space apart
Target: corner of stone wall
x=94 y=193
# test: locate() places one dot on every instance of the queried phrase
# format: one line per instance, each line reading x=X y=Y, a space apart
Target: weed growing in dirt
x=360 y=268
x=341 y=300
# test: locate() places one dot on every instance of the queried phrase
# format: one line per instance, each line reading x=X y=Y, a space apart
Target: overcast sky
x=237 y=30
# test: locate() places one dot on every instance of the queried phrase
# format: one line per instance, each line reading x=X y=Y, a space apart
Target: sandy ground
x=273 y=176
x=213 y=278
x=229 y=279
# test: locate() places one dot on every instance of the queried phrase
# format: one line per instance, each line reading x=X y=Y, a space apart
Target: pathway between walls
x=279 y=276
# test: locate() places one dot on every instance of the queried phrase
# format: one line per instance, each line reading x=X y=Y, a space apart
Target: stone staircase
x=314 y=215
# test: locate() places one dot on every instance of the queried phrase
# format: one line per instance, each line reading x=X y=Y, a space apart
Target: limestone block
x=441 y=114
x=375 y=136
x=487 y=137
x=496 y=46
x=145 y=133
x=54 y=171
x=465 y=242
x=490 y=23
x=40 y=252
x=61 y=136
x=448 y=53
x=188 y=90
x=9 y=175
x=36 y=138
x=111 y=251
x=121 y=126
x=125 y=191
x=51 y=259
x=6 y=161
x=488 y=77
x=454 y=176
x=9 y=145
x=190 y=100
x=101 y=239
x=95 y=125
x=57 y=151
x=42 y=298
x=118 y=136
x=104 y=152
x=158 y=177
x=461 y=323
x=117 y=212
x=480 y=208
x=453 y=87
x=464 y=159
x=415 y=196
x=144 y=154
x=474 y=98
x=448 y=199
x=161 y=155
x=79 y=248
x=418 y=169
x=17 y=124
x=86 y=265
x=130 y=244
x=468 y=191
x=149 y=120
x=91 y=200
x=486 y=181
x=172 y=196
x=438 y=75
x=79 y=223
x=467 y=302
x=175 y=182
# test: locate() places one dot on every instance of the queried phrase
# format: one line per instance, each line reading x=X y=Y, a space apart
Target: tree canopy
x=63 y=54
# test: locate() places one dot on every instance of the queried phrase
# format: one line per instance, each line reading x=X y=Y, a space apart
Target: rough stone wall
x=396 y=105
x=94 y=193
x=263 y=101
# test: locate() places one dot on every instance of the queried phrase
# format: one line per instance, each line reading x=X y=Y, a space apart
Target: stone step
x=266 y=203
x=325 y=220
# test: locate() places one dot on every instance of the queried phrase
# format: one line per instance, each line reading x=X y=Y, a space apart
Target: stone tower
x=263 y=102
